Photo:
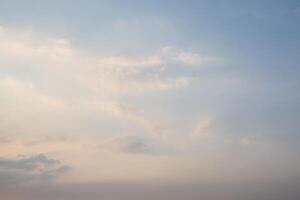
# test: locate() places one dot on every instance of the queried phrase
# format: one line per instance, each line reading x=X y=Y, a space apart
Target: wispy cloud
x=31 y=47
x=100 y=73
x=63 y=80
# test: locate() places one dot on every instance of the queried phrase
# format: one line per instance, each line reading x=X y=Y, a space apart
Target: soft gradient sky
x=143 y=100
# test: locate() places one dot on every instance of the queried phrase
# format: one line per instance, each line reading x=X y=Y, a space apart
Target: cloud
x=32 y=47
x=134 y=144
x=163 y=56
x=21 y=103
x=38 y=168
x=49 y=86
x=133 y=114
x=169 y=54
x=139 y=144
x=49 y=77
x=103 y=74
x=125 y=74
x=22 y=92
x=45 y=78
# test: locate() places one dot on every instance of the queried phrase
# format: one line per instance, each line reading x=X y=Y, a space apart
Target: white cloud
x=48 y=86
x=17 y=93
x=24 y=107
x=167 y=55
x=30 y=47
x=105 y=74
x=171 y=54
x=42 y=75
x=67 y=68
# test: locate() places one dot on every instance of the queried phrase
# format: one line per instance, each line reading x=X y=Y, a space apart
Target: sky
x=143 y=100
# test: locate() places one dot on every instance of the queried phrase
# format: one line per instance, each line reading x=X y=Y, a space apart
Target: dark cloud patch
x=30 y=169
x=137 y=144
x=133 y=144
x=29 y=163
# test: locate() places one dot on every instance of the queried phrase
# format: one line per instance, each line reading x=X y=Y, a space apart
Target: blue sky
x=154 y=93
